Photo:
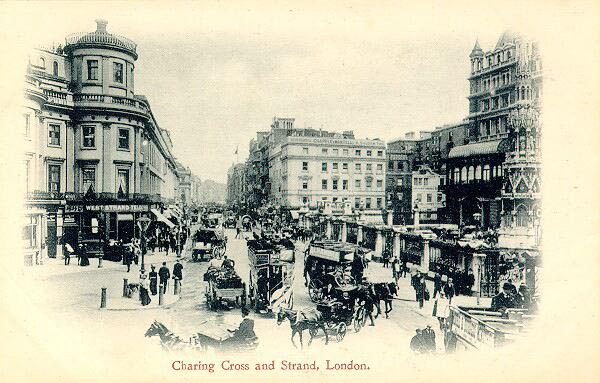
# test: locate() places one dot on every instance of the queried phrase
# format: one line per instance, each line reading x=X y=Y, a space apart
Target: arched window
x=42 y=62
x=522 y=218
x=463 y=174
x=55 y=68
x=522 y=140
x=471 y=173
x=478 y=172
x=456 y=175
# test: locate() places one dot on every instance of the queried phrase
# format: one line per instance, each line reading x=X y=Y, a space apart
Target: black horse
x=309 y=320
x=168 y=340
x=383 y=291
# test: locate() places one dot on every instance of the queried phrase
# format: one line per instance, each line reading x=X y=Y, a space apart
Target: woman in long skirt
x=145 y=297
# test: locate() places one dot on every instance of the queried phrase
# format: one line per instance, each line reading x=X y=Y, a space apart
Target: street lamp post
x=143 y=223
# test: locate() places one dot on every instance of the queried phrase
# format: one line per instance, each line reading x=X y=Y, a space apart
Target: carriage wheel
x=359 y=319
x=341 y=331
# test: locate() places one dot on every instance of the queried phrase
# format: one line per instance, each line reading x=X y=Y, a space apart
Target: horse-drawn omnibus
x=271 y=274
x=328 y=263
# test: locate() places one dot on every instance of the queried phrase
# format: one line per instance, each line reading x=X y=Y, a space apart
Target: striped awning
x=161 y=218
x=479 y=148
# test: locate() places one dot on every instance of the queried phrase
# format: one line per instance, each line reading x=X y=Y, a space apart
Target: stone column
x=390 y=218
x=328 y=230
x=396 y=245
x=359 y=234
x=425 y=258
x=379 y=244
x=59 y=233
x=477 y=265
x=344 y=232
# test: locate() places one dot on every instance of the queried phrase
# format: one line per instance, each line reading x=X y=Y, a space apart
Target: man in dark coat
x=437 y=284
x=245 y=331
x=417 y=343
x=504 y=300
x=358 y=267
x=178 y=270
x=164 y=274
x=429 y=339
x=469 y=282
x=153 y=276
x=420 y=289
x=449 y=289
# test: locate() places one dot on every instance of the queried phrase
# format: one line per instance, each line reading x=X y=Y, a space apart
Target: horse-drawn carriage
x=343 y=311
x=327 y=267
x=224 y=288
x=208 y=241
x=271 y=274
x=220 y=337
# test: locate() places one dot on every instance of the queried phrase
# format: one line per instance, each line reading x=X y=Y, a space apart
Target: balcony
x=115 y=197
x=38 y=195
x=101 y=101
x=58 y=98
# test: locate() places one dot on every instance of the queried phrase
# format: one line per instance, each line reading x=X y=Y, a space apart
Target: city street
x=70 y=295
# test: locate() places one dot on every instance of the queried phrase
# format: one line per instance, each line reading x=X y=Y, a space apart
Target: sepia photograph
x=206 y=191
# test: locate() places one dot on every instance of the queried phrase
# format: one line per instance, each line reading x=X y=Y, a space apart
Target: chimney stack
x=101 y=25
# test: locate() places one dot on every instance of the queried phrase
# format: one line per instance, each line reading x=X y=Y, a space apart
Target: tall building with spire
x=503 y=81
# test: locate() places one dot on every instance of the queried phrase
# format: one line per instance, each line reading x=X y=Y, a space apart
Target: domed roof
x=101 y=38
x=477 y=51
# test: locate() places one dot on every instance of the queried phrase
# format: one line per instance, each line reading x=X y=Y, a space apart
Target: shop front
x=95 y=224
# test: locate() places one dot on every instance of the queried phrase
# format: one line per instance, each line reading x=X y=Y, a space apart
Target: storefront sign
x=69 y=220
x=118 y=208
x=73 y=208
x=473 y=331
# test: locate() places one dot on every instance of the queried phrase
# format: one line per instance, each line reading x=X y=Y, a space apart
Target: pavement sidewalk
x=376 y=272
x=55 y=266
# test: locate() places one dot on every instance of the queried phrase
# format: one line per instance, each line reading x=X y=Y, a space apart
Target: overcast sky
x=215 y=76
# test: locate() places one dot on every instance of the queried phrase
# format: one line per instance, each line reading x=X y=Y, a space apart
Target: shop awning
x=479 y=148
x=161 y=218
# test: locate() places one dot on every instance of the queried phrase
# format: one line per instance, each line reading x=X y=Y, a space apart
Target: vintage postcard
x=337 y=191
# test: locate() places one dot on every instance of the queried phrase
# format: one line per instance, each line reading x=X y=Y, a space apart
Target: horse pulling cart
x=208 y=242
x=224 y=288
x=271 y=274
x=221 y=338
x=342 y=312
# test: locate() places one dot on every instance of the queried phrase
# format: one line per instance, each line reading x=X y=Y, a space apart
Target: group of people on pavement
x=164 y=239
x=81 y=254
x=509 y=298
x=423 y=342
x=150 y=284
